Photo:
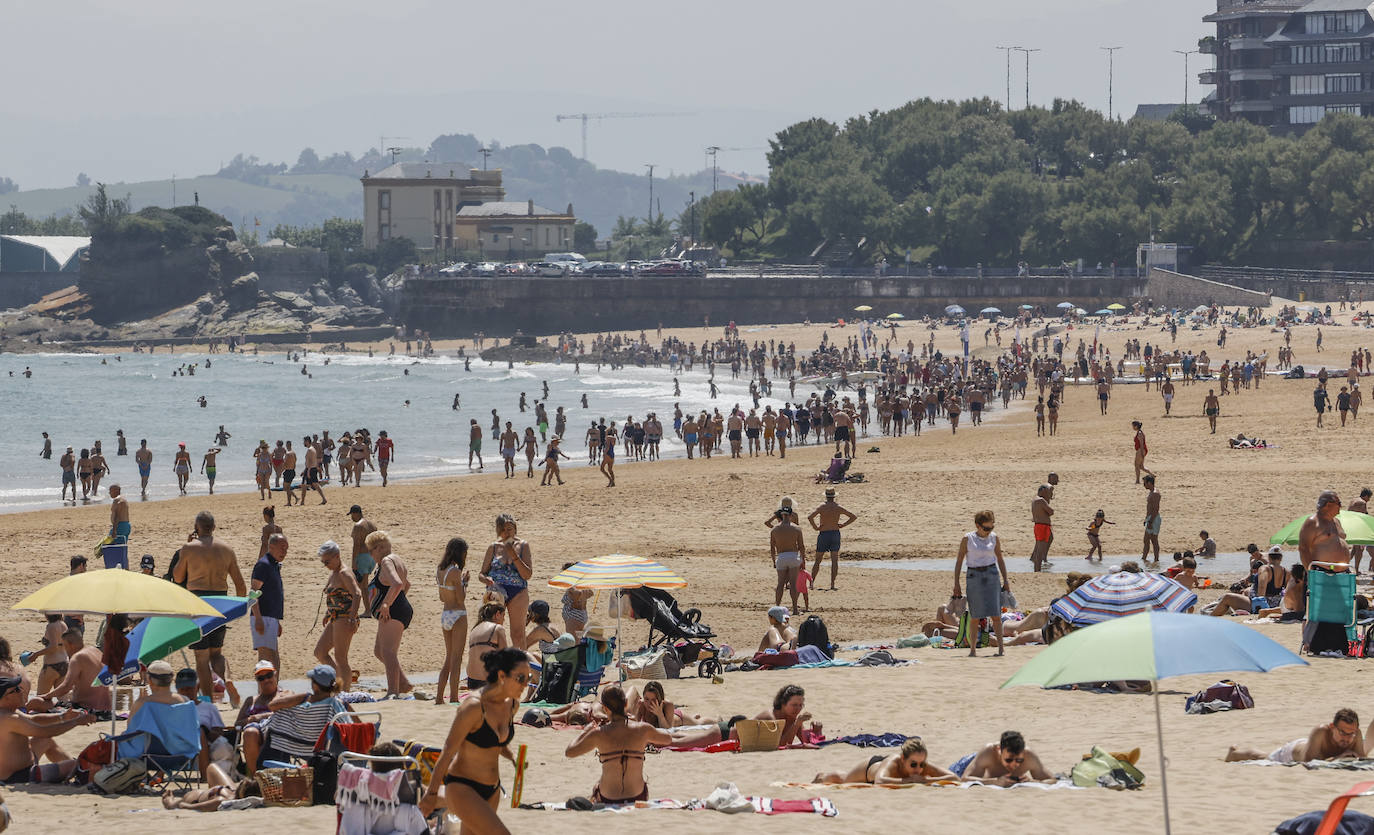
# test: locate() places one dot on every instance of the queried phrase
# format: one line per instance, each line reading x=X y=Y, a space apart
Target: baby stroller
x=691 y=637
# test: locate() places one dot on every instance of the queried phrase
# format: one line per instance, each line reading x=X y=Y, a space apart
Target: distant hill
x=315 y=189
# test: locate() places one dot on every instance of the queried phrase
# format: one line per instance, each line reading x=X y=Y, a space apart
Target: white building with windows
x=420 y=200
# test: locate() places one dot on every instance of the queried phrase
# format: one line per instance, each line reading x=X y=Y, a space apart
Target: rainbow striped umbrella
x=1121 y=594
x=617 y=571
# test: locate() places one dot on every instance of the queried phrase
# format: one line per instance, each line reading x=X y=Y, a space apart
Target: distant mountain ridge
x=317 y=188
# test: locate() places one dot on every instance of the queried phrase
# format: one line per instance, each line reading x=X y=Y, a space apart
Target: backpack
x=91 y=759
x=121 y=776
x=324 y=767
x=813 y=633
x=1224 y=695
x=172 y=566
x=1363 y=647
x=556 y=683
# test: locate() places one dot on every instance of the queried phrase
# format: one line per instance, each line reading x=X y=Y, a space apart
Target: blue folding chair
x=167 y=738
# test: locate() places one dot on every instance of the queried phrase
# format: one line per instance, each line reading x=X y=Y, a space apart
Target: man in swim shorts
x=475 y=441
x=1211 y=407
x=207 y=467
x=362 y=561
x=119 y=516
x=509 y=441
x=1339 y=738
x=1041 y=514
x=827 y=521
x=23 y=738
x=144 y=458
x=68 y=464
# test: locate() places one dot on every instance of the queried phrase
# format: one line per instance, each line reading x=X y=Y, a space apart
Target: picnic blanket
x=1062 y=783
x=883 y=740
x=725 y=797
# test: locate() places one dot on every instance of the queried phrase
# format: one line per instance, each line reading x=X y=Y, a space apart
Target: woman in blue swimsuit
x=506 y=569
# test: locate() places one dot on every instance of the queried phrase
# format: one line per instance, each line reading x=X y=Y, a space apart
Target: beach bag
x=813 y=633
x=172 y=566
x=1008 y=601
x=759 y=734
x=556 y=682
x=1364 y=646
x=651 y=664
x=967 y=629
x=1224 y=695
x=91 y=759
x=786 y=658
x=1102 y=769
x=287 y=786
x=121 y=776
x=324 y=767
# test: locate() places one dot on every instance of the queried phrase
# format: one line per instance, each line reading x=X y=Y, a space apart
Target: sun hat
x=779 y=614
x=264 y=666
x=159 y=668
x=565 y=641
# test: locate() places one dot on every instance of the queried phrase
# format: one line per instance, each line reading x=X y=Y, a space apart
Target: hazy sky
x=141 y=89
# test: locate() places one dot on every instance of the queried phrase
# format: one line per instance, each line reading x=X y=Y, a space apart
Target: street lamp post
x=650 y=166
x=1008 y=50
x=693 y=196
x=1185 y=53
x=1111 y=55
x=1028 y=55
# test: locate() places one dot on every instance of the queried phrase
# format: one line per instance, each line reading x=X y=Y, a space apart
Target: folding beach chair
x=368 y=801
x=1330 y=610
x=167 y=739
x=299 y=732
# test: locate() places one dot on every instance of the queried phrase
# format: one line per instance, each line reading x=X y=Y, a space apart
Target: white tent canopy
x=60 y=248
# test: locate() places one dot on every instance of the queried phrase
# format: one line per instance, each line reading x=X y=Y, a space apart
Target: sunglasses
x=264 y=676
x=985 y=527
x=523 y=678
x=1019 y=759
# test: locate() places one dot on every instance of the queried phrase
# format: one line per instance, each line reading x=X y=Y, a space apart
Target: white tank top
x=981 y=550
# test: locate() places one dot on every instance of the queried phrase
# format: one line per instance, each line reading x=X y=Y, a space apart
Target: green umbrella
x=1358 y=527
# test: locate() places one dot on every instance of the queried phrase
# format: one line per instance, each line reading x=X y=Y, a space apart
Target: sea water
x=81 y=398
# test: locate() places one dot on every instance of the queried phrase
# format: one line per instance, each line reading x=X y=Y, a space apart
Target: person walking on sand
x=120 y=529
x=343 y=597
x=1211 y=407
x=1041 y=519
x=1095 y=535
x=827 y=520
x=608 y=456
x=509 y=440
x=981 y=551
x=1153 y=521
x=506 y=569
x=452 y=577
x=361 y=561
x=206 y=566
x=262 y=462
x=551 y=469
x=788 y=551
x=392 y=610
x=181 y=465
x=1142 y=449
x=270 y=608
x=1321 y=401
x=207 y=468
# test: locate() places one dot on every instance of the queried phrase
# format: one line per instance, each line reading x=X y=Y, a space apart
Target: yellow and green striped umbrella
x=617 y=571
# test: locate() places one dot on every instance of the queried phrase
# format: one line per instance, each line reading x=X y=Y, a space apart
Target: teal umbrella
x=159 y=637
x=1152 y=646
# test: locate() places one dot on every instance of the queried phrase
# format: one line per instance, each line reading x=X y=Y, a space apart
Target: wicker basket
x=286 y=786
x=759 y=734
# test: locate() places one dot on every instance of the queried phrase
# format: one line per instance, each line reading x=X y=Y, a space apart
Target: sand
x=704 y=519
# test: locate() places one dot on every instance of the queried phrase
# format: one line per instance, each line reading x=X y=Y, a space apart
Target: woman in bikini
x=488 y=636
x=575 y=608
x=391 y=608
x=541 y=635
x=469 y=768
x=1095 y=535
x=269 y=527
x=342 y=596
x=551 y=468
x=452 y=578
x=650 y=704
x=506 y=568
x=221 y=787
x=910 y=765
x=531 y=444
x=619 y=744
x=262 y=462
x=83 y=469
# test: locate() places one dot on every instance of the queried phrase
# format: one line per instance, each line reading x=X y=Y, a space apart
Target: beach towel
x=1062 y=783
x=885 y=740
x=1321 y=765
x=882 y=658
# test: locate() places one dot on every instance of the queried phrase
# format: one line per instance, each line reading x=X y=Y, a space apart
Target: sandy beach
x=704 y=519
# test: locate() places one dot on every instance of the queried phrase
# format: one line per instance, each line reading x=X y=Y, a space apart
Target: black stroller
x=683 y=631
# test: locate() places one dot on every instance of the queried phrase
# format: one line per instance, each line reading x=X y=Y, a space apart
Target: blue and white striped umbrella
x=1121 y=594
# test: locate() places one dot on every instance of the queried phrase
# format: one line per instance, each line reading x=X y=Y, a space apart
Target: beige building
x=512 y=230
x=420 y=200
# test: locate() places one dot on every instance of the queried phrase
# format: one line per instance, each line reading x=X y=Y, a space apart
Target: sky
x=147 y=89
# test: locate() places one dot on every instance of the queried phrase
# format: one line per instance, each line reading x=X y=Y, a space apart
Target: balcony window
x=1308 y=115
x=1306 y=85
x=1343 y=84
x=1343 y=108
x=1335 y=22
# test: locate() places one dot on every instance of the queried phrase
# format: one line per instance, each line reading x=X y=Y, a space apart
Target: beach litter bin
x=116 y=556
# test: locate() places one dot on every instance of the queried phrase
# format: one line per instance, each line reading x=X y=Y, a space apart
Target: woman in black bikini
x=909 y=765
x=619 y=744
x=487 y=636
x=469 y=768
x=391 y=609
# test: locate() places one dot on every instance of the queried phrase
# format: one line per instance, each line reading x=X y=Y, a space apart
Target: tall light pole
x=1028 y=55
x=713 y=150
x=1185 y=53
x=485 y=152
x=1111 y=55
x=650 y=166
x=1008 y=50
x=692 y=195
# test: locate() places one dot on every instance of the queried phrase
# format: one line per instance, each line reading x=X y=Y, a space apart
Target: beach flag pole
x=1163 y=780
x=518 y=785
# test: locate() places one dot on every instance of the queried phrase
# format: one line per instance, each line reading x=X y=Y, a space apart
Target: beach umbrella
x=1116 y=306
x=863 y=308
x=1358 y=527
x=1065 y=305
x=954 y=310
x=159 y=637
x=988 y=310
x=616 y=572
x=115 y=592
x=895 y=316
x=1027 y=307
x=1103 y=312
x=1118 y=595
x=1152 y=646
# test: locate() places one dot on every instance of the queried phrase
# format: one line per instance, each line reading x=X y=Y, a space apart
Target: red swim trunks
x=1042 y=532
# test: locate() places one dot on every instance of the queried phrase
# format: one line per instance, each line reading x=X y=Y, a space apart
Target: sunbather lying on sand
x=910 y=765
x=789 y=705
x=1004 y=763
x=650 y=704
x=1023 y=631
x=1338 y=739
x=221 y=788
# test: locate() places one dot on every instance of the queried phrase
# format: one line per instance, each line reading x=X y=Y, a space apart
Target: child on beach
x=804 y=588
x=1094 y=528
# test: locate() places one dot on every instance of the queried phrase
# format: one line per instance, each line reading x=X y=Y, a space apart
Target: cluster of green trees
x=342 y=239
x=966 y=182
x=15 y=222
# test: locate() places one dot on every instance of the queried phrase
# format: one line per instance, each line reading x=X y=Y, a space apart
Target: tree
x=82 y=180
x=307 y=163
x=393 y=253
x=7 y=185
x=102 y=213
x=584 y=237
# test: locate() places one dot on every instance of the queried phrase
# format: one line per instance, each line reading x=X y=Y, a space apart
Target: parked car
x=604 y=268
x=456 y=269
x=486 y=269
x=549 y=269
x=667 y=268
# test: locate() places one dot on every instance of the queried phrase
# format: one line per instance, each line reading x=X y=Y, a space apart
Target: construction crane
x=584 y=117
